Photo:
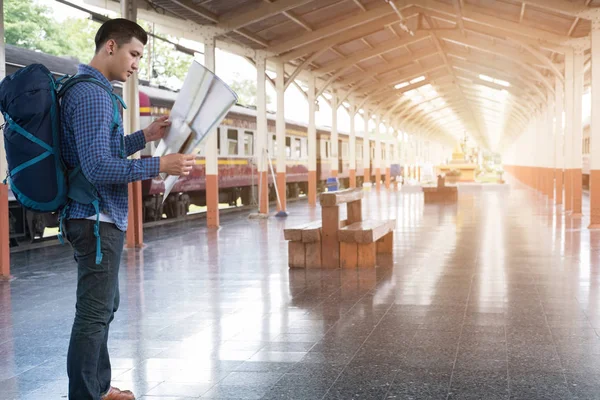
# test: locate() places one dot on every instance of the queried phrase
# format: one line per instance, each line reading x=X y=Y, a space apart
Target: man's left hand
x=157 y=129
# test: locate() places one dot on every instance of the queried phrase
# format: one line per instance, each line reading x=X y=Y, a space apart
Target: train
x=237 y=166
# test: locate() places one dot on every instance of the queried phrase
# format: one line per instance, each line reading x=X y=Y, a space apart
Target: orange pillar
x=281 y=188
x=4 y=233
x=212 y=153
x=595 y=129
x=377 y=178
x=570 y=116
x=135 y=228
x=264 y=193
x=212 y=201
x=280 y=129
x=559 y=145
x=367 y=175
x=312 y=188
x=352 y=175
x=312 y=143
x=388 y=178
x=578 y=82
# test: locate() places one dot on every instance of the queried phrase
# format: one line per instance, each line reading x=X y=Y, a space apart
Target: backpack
x=37 y=175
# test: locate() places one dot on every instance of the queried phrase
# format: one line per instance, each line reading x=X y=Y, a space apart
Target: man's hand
x=177 y=164
x=157 y=129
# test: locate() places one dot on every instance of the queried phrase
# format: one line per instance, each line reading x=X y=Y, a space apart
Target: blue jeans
x=88 y=362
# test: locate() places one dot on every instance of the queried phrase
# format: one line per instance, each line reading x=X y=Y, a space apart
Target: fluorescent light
x=401 y=85
x=417 y=80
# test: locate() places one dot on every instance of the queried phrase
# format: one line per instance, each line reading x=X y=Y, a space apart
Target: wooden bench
x=304 y=246
x=331 y=223
x=361 y=241
x=440 y=193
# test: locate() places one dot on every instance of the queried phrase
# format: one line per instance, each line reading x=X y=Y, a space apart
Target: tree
x=168 y=66
x=246 y=90
x=26 y=24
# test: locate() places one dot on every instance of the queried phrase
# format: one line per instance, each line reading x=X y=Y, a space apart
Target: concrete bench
x=304 y=245
x=361 y=241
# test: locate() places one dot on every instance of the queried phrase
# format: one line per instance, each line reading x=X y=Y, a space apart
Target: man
x=90 y=139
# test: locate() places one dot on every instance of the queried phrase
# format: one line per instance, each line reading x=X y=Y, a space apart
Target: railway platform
x=494 y=297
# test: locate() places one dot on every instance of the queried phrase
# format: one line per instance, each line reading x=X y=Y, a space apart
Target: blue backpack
x=37 y=175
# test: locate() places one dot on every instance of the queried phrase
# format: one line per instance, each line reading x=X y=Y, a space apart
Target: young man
x=90 y=139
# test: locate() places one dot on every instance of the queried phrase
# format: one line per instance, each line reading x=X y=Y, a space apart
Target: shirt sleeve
x=92 y=120
x=134 y=142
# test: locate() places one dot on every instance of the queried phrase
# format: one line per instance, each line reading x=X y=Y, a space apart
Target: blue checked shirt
x=88 y=138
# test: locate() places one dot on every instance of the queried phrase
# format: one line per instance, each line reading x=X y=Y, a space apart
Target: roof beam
x=438 y=45
x=389 y=84
x=374 y=52
x=486 y=46
x=394 y=65
x=562 y=7
x=339 y=38
x=473 y=14
x=332 y=29
x=235 y=20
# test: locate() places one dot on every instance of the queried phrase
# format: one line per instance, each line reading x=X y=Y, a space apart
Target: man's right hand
x=177 y=164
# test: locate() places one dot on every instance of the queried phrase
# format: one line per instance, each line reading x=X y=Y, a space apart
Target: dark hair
x=121 y=31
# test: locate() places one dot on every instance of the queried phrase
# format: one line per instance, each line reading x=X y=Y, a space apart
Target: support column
x=334 y=156
x=352 y=171
x=568 y=130
x=262 y=133
x=312 y=143
x=280 y=128
x=378 y=153
x=212 y=152
x=4 y=227
x=366 y=149
x=559 y=143
x=595 y=129
x=577 y=131
x=388 y=164
x=549 y=147
x=131 y=123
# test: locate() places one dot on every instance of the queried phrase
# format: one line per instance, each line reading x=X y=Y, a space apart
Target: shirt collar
x=85 y=69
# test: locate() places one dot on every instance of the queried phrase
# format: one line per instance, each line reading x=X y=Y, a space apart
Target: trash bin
x=332 y=184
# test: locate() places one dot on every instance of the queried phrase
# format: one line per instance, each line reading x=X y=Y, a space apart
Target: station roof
x=444 y=67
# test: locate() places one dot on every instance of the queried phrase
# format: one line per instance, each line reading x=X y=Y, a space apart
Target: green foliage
x=167 y=66
x=246 y=90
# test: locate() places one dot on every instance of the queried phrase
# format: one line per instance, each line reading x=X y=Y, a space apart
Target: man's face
x=125 y=59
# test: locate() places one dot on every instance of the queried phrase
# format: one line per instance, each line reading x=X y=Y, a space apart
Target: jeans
x=88 y=362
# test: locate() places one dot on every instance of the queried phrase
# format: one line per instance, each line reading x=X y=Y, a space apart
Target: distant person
x=90 y=139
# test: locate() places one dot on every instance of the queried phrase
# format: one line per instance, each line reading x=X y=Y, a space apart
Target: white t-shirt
x=103 y=218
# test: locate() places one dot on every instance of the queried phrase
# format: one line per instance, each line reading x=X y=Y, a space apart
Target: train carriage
x=237 y=169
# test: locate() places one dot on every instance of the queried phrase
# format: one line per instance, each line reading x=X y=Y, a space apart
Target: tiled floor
x=495 y=298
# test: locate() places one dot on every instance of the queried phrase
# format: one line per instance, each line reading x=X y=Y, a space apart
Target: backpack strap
x=81 y=190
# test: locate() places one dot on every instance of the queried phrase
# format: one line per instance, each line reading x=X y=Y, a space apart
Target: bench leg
x=296 y=258
x=348 y=255
x=367 y=255
x=313 y=254
x=386 y=244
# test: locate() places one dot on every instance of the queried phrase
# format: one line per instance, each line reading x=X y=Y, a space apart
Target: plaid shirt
x=88 y=138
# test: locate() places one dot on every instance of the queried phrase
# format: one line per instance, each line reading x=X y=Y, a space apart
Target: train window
x=359 y=151
x=345 y=149
x=232 y=140
x=298 y=147
x=248 y=143
x=327 y=148
x=288 y=147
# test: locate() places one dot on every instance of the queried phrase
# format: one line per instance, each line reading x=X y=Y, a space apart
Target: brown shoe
x=116 y=394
